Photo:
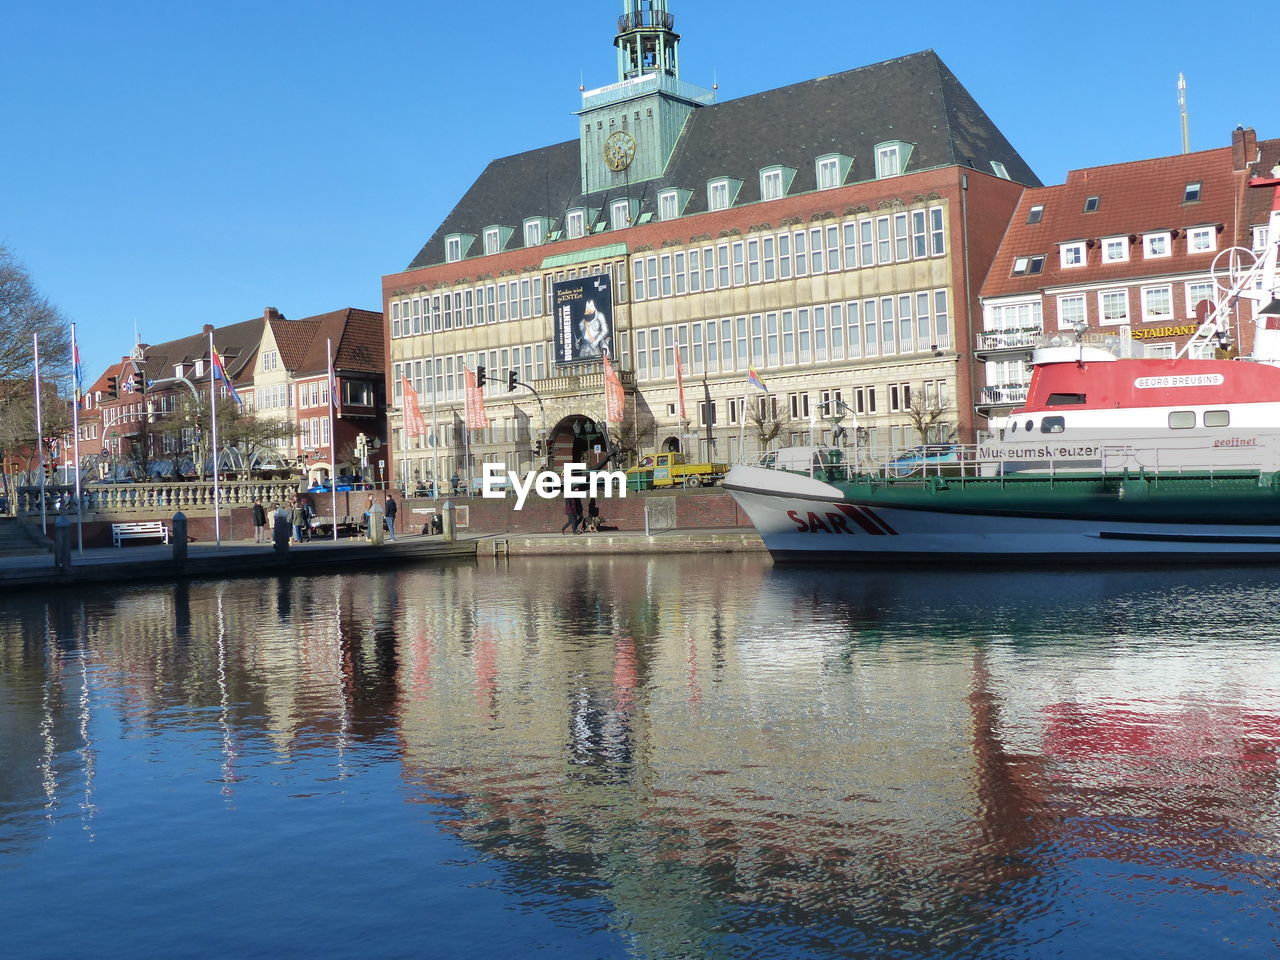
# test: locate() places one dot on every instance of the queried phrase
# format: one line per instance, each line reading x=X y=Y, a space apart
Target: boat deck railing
x=996 y=461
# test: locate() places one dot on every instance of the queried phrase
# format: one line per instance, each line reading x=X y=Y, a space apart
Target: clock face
x=619 y=150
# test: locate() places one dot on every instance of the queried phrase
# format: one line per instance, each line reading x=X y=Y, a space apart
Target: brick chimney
x=271 y=313
x=1244 y=147
x=208 y=329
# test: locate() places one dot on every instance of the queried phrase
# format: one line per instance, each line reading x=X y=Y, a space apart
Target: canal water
x=644 y=757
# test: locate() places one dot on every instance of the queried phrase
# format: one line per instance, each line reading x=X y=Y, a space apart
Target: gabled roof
x=1134 y=198
x=915 y=99
x=357 y=337
x=237 y=344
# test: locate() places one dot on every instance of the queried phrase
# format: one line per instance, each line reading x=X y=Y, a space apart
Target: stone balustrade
x=113 y=498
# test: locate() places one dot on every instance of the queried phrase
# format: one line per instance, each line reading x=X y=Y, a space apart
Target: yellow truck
x=672 y=470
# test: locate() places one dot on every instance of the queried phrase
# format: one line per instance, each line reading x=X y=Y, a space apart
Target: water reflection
x=705 y=756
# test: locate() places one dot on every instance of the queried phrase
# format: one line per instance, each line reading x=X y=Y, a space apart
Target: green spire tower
x=630 y=128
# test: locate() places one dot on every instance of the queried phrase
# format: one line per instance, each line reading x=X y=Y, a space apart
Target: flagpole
x=742 y=427
x=333 y=439
x=44 y=520
x=75 y=435
x=213 y=413
x=435 y=423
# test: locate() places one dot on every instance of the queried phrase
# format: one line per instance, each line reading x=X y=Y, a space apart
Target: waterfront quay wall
x=703 y=509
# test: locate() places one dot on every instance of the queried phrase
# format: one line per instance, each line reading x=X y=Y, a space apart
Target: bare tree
x=928 y=418
x=767 y=419
x=250 y=434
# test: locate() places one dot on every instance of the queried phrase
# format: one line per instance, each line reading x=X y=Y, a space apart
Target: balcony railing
x=648 y=83
x=1027 y=338
x=646 y=18
x=1005 y=393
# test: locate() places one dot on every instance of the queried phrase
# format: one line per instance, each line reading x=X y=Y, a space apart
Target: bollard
x=449 y=519
x=280 y=534
x=62 y=544
x=178 y=539
x=646 y=518
x=376 y=528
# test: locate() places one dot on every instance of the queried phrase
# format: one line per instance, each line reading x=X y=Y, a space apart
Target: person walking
x=572 y=513
x=391 y=517
x=299 y=518
x=259 y=522
x=368 y=518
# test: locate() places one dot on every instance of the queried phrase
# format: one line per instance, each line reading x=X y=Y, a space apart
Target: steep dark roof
x=237 y=344
x=916 y=99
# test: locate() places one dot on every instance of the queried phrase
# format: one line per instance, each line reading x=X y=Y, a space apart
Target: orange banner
x=413 y=425
x=614 y=398
x=476 y=419
x=680 y=385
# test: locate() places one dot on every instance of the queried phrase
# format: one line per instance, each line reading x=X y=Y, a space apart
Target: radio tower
x=1182 y=109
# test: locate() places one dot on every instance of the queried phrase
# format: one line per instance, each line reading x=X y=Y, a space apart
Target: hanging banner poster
x=583 y=319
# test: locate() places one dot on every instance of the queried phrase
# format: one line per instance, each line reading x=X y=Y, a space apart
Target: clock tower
x=629 y=129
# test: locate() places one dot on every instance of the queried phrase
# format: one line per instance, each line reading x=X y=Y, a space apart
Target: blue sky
x=172 y=164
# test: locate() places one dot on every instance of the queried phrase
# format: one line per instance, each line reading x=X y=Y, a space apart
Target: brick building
x=830 y=234
x=1125 y=252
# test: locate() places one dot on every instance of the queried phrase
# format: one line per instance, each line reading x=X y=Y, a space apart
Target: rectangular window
x=1157 y=303
x=901 y=237
x=1113 y=307
x=757 y=340
x=492 y=241
x=820 y=334
x=452 y=249
x=1090 y=204
x=870 y=329
x=784 y=256
x=888 y=336
x=771 y=339
x=713 y=348
x=722 y=262
x=1072 y=254
x=1192 y=192
x=668 y=205
x=1155 y=245
x=788 y=338
x=828 y=172
x=919 y=234
x=884 y=242
x=532 y=233
x=753 y=261
x=678 y=269
x=718 y=195
x=637 y=277
x=1201 y=240
x=851 y=245
x=651 y=268
x=815 y=251
x=1000 y=170
x=1115 y=249
x=887 y=161
x=739 y=277
x=575 y=224
x=620 y=214
x=770 y=265
x=837 y=331
x=695 y=271
x=664 y=273
x=801 y=248
x=1071 y=311
x=803 y=336
x=1197 y=293
x=770 y=184
x=937 y=231
x=1036 y=213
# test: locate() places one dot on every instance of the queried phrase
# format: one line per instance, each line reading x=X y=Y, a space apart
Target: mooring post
x=449 y=519
x=178 y=539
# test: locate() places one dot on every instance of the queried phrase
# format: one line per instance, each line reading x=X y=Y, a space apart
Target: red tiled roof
x=1133 y=198
x=1258 y=201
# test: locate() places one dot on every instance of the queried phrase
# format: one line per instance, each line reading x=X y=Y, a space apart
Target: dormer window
x=669 y=204
x=535 y=231
x=1192 y=192
x=721 y=193
x=575 y=223
x=1115 y=249
x=1155 y=245
x=1036 y=213
x=1000 y=170
x=620 y=214
x=771 y=184
x=891 y=158
x=455 y=247
x=1201 y=240
x=1072 y=254
x=1091 y=204
x=829 y=174
x=492 y=241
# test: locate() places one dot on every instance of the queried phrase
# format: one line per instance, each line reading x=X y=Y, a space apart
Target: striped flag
x=753 y=380
x=75 y=368
x=220 y=372
x=680 y=386
x=413 y=425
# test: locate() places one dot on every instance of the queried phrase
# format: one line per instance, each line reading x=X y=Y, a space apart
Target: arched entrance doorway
x=671 y=445
x=575 y=439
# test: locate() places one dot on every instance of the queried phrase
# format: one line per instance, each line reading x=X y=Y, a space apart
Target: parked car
x=344 y=483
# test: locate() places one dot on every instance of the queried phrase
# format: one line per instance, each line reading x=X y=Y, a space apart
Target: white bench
x=138 y=530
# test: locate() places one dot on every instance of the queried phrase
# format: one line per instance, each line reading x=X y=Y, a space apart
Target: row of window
x=1113 y=308
x=1155 y=246
x=869 y=242
x=830 y=171
x=907 y=323
x=313 y=432
x=470 y=307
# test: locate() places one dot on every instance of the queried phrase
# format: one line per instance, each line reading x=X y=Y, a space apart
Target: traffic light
x=113 y=388
x=139 y=383
x=480 y=376
x=511 y=380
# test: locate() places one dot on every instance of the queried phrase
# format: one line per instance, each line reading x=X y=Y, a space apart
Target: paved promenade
x=138 y=562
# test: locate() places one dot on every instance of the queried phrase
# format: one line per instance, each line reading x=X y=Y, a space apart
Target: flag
x=680 y=386
x=333 y=380
x=76 y=374
x=753 y=380
x=413 y=425
x=220 y=372
x=476 y=419
x=614 y=398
